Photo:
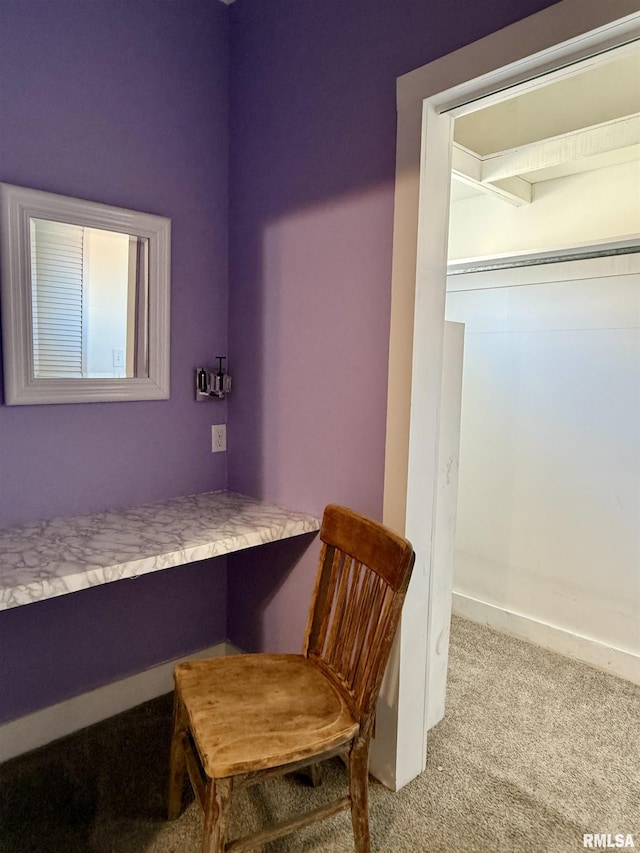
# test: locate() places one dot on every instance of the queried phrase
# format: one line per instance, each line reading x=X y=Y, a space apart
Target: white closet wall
x=548 y=542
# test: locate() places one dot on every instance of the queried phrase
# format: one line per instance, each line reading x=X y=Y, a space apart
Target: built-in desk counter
x=50 y=558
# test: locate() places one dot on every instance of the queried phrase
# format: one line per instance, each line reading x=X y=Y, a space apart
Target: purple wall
x=64 y=646
x=123 y=102
x=312 y=162
x=128 y=102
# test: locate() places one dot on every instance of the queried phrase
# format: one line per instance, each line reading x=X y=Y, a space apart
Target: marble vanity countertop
x=63 y=555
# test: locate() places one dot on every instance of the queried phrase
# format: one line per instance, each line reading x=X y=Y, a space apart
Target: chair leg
x=216 y=815
x=359 y=791
x=316 y=774
x=177 y=765
x=313 y=774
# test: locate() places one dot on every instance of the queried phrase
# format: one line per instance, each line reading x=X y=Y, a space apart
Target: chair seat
x=253 y=712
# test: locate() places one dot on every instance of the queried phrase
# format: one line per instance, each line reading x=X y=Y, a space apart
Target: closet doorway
x=544 y=272
x=428 y=101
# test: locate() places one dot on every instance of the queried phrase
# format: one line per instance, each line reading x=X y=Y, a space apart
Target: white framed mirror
x=85 y=300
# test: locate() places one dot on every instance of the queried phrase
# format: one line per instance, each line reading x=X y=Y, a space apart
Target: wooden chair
x=244 y=718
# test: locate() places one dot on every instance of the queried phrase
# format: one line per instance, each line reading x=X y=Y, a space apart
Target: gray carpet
x=534 y=751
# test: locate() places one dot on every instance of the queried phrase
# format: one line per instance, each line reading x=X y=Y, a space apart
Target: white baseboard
x=49 y=724
x=615 y=661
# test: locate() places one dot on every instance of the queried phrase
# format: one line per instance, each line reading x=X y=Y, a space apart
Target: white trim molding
x=500 y=65
x=616 y=662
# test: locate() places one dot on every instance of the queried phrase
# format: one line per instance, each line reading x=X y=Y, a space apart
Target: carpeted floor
x=534 y=751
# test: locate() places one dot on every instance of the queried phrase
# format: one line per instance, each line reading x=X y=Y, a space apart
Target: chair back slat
x=346 y=620
x=377 y=622
x=339 y=606
x=360 y=586
x=323 y=593
x=363 y=575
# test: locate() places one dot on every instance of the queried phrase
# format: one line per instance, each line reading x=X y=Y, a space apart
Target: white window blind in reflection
x=57 y=267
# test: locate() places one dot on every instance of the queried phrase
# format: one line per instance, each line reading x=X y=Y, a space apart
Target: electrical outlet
x=218 y=438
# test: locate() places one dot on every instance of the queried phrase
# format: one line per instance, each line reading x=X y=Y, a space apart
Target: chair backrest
x=363 y=575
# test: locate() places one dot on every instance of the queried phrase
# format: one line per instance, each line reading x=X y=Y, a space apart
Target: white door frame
x=564 y=33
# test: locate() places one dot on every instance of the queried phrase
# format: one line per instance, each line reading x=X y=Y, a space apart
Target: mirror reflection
x=85 y=293
x=88 y=301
